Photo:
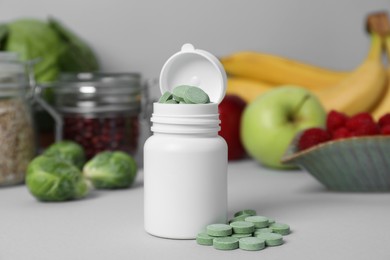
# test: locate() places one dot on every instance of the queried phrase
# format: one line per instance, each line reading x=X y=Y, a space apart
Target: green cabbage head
x=111 y=170
x=57 y=47
x=54 y=179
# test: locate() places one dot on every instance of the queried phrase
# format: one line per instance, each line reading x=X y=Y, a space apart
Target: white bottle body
x=185 y=183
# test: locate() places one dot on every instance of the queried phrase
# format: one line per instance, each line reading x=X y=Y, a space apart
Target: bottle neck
x=206 y=135
x=186 y=120
x=185 y=129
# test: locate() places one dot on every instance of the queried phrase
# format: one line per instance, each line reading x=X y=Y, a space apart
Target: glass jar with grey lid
x=100 y=111
x=17 y=145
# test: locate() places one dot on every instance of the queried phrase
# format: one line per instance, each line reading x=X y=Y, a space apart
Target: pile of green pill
x=246 y=231
x=185 y=94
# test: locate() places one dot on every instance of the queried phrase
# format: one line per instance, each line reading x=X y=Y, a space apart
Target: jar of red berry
x=100 y=111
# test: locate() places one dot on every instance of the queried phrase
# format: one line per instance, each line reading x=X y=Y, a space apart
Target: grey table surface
x=109 y=224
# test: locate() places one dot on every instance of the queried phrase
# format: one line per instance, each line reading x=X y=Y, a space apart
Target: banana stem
x=387 y=47
x=376 y=47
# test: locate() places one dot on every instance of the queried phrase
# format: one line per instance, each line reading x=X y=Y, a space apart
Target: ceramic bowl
x=359 y=164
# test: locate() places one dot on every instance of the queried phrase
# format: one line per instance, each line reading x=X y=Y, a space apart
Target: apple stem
x=301 y=103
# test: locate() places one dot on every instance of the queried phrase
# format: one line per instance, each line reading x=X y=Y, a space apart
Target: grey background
x=131 y=35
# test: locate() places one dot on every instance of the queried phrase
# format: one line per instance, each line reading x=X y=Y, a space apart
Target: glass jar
x=17 y=145
x=100 y=110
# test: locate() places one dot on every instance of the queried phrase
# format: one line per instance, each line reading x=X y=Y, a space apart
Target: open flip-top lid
x=194 y=67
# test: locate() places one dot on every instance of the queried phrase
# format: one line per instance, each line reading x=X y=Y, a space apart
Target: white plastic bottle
x=185 y=160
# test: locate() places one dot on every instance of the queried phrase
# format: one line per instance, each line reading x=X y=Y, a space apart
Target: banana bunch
x=361 y=90
x=278 y=70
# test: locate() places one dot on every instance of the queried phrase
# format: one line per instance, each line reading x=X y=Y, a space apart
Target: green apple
x=272 y=120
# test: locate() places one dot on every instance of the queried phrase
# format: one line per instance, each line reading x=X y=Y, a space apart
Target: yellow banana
x=247 y=89
x=384 y=105
x=279 y=71
x=362 y=89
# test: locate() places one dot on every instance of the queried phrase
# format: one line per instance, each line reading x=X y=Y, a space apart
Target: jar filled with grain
x=17 y=145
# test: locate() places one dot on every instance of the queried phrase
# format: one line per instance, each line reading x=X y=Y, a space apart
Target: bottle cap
x=194 y=67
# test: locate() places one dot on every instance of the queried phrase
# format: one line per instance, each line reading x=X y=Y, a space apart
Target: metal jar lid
x=85 y=93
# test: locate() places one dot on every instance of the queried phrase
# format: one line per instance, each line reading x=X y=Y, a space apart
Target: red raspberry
x=362 y=124
x=359 y=120
x=385 y=130
x=335 y=120
x=384 y=120
x=369 y=129
x=312 y=137
x=341 y=133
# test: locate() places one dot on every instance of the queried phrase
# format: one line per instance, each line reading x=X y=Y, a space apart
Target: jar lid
x=98 y=92
x=194 y=67
x=104 y=77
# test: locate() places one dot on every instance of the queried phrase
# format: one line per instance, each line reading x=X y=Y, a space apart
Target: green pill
x=252 y=243
x=204 y=239
x=258 y=221
x=165 y=97
x=249 y=212
x=178 y=92
x=242 y=227
x=195 y=95
x=271 y=221
x=280 y=228
x=263 y=230
x=219 y=230
x=241 y=235
x=271 y=239
x=226 y=243
x=239 y=218
x=170 y=101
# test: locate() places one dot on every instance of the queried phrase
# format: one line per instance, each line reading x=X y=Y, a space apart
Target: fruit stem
x=376 y=47
x=387 y=47
x=300 y=104
x=378 y=22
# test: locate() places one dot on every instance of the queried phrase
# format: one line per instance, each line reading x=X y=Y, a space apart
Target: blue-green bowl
x=360 y=164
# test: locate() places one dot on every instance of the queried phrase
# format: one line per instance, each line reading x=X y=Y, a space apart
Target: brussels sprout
x=54 y=179
x=68 y=151
x=111 y=170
